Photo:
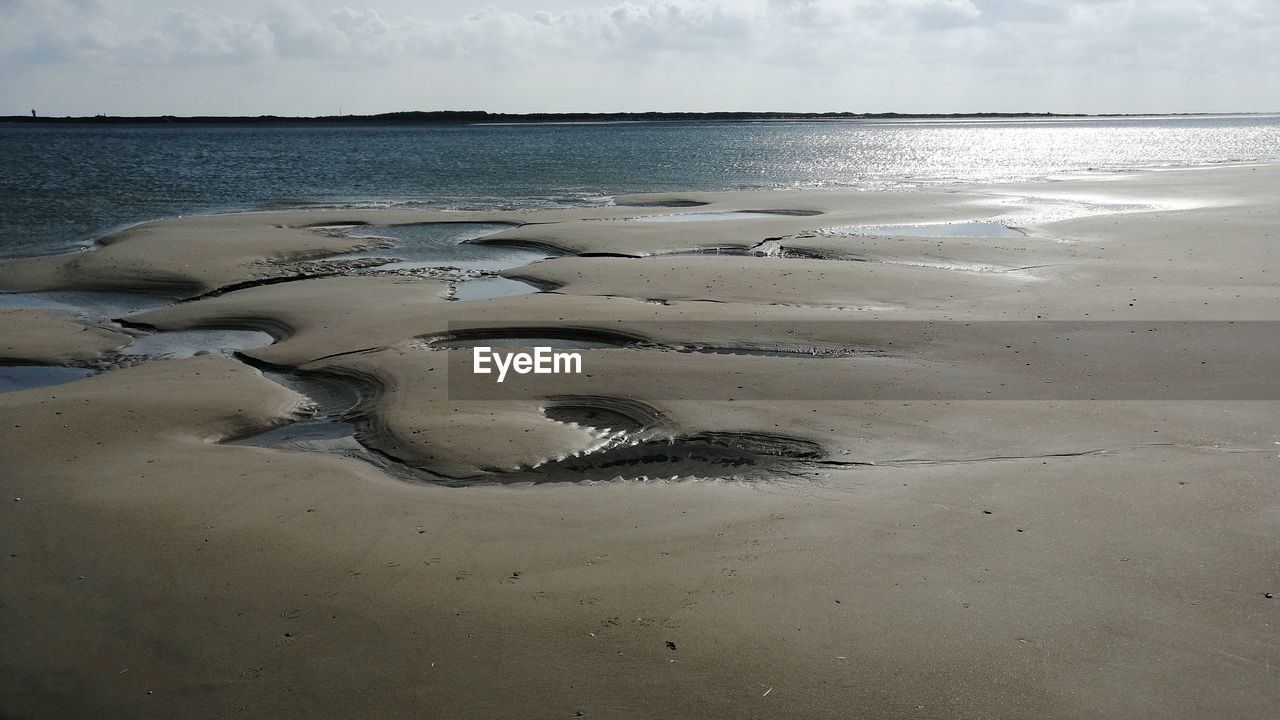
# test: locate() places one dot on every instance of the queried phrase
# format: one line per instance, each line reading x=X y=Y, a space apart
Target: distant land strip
x=456 y=117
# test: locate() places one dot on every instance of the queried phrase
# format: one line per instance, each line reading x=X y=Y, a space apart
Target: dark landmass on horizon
x=455 y=117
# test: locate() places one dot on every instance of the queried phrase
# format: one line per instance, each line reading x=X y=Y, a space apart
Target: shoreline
x=912 y=186
x=1039 y=558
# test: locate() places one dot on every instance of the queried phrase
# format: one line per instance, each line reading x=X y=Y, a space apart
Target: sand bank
x=896 y=557
x=55 y=337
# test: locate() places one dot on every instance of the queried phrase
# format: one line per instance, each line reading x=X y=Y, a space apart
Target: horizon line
x=483 y=116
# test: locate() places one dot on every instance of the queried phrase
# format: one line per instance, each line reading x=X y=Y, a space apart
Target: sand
x=55 y=337
x=906 y=557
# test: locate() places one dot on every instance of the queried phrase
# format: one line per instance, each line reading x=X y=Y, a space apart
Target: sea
x=63 y=186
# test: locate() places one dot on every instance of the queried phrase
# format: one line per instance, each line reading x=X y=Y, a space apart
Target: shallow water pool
x=26 y=377
x=487 y=288
x=188 y=343
x=955 y=229
x=84 y=302
x=430 y=245
x=716 y=216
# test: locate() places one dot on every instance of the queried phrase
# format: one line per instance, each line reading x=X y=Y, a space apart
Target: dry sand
x=905 y=558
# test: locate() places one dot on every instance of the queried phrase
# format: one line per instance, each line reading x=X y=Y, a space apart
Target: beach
x=762 y=498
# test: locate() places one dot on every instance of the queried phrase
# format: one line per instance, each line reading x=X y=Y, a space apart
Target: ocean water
x=63 y=186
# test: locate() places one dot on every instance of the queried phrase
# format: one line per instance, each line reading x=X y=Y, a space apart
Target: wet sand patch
x=57 y=337
x=325 y=422
x=84 y=302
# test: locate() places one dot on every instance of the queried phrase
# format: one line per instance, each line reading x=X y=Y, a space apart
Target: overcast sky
x=314 y=57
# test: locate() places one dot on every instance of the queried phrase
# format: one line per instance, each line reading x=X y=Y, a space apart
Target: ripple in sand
x=530 y=337
x=631 y=451
x=603 y=413
x=26 y=377
x=724 y=456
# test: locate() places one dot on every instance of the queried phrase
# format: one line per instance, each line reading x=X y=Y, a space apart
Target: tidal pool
x=429 y=245
x=26 y=377
x=188 y=343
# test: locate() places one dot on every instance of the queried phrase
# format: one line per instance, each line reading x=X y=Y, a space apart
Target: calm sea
x=63 y=186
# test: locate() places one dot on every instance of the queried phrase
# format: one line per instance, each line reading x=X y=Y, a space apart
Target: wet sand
x=827 y=555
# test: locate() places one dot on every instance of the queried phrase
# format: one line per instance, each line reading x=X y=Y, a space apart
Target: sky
x=322 y=57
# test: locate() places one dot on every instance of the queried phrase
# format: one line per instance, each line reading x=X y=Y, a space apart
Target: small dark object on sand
x=671 y=645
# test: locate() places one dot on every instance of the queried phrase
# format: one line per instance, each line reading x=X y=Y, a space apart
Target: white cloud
x=55 y=30
x=297 y=32
x=194 y=35
x=828 y=53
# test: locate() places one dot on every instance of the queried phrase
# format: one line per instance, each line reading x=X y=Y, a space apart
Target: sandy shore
x=55 y=337
x=838 y=544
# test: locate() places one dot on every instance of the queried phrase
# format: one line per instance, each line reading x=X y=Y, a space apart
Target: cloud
x=194 y=35
x=836 y=51
x=287 y=29
x=56 y=30
x=83 y=30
